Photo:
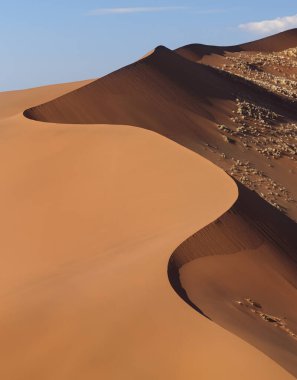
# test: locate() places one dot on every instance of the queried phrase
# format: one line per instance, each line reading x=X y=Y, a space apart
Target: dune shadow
x=251 y=225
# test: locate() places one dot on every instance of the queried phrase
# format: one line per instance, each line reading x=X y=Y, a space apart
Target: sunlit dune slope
x=90 y=216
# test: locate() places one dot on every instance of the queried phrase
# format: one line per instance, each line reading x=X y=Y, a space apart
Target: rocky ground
x=258 y=128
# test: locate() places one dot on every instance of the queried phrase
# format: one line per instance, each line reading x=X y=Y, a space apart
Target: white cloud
x=209 y=11
x=127 y=10
x=271 y=26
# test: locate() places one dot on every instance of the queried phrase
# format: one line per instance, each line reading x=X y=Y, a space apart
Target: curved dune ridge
x=90 y=217
x=184 y=101
x=241 y=270
x=93 y=212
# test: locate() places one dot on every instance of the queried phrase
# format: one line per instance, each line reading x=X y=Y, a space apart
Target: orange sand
x=89 y=218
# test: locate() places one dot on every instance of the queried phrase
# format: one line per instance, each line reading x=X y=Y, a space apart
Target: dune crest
x=212 y=111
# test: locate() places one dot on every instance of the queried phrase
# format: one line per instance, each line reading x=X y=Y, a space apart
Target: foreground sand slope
x=89 y=218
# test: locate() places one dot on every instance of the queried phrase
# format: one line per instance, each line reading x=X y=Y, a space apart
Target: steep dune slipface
x=160 y=81
x=240 y=271
x=196 y=106
x=142 y=94
x=89 y=218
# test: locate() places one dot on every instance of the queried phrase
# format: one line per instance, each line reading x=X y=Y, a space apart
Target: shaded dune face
x=247 y=257
x=183 y=101
x=143 y=92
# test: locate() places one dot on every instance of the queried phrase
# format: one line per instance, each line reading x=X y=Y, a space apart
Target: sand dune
x=247 y=257
x=93 y=207
x=84 y=287
x=145 y=93
x=278 y=42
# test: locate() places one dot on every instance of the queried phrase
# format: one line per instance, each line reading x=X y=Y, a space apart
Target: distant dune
x=276 y=43
x=112 y=224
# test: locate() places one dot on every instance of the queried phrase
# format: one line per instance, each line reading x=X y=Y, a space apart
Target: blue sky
x=53 y=41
